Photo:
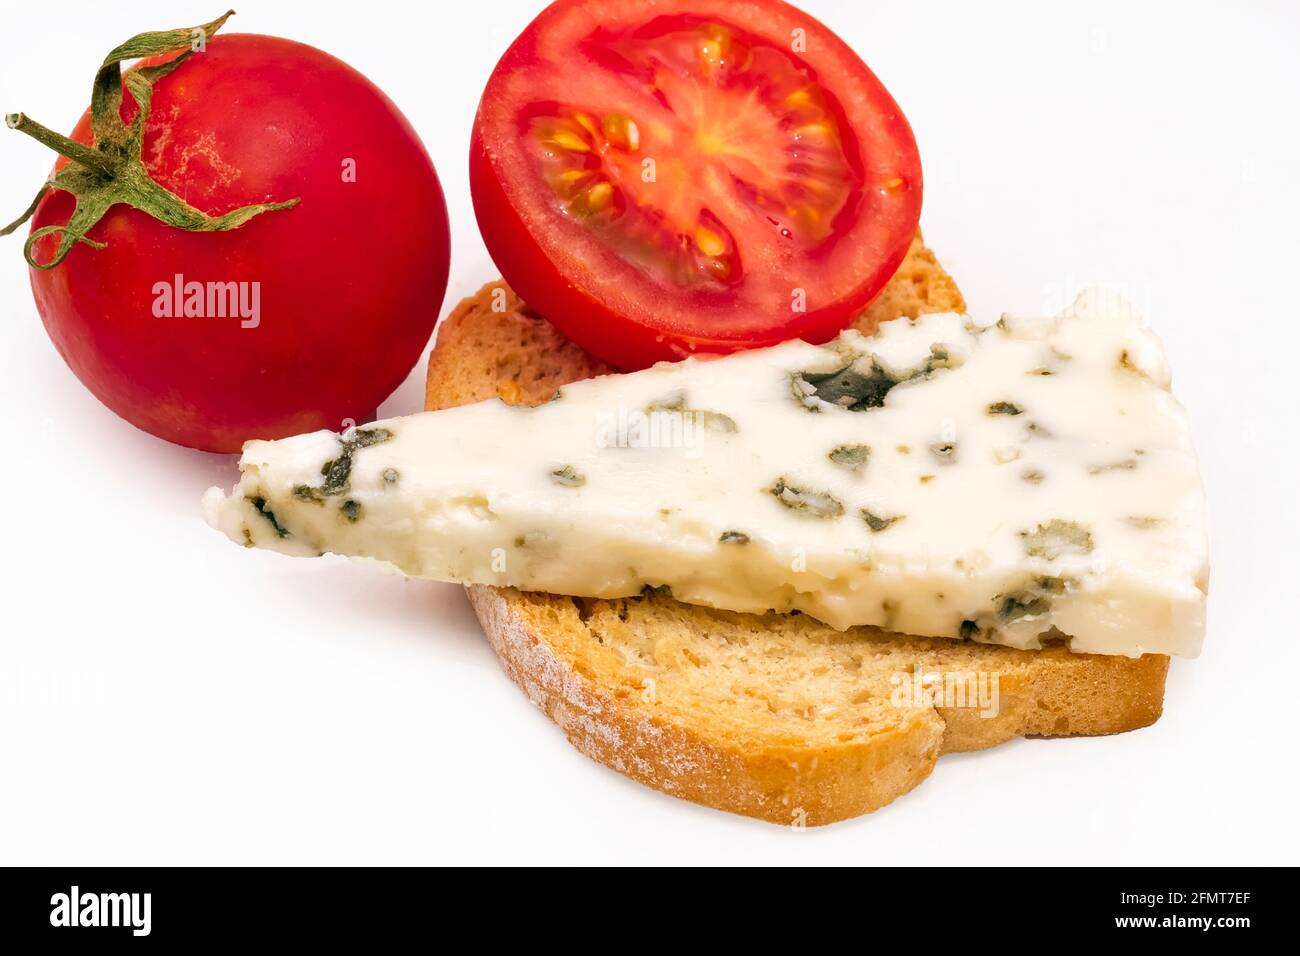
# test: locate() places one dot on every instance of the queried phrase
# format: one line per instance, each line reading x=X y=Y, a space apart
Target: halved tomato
x=691 y=175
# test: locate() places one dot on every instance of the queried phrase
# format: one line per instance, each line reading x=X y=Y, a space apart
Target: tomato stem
x=90 y=158
x=111 y=171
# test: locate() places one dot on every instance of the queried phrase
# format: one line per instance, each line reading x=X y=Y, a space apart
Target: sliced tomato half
x=691 y=175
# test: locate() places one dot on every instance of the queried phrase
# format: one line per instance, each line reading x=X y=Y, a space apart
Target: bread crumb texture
x=771 y=716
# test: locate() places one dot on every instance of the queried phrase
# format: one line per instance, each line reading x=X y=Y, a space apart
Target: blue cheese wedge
x=1028 y=483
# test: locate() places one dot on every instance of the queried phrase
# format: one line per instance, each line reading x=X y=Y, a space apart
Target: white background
x=168 y=698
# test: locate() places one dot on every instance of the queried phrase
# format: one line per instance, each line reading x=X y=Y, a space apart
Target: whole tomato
x=298 y=319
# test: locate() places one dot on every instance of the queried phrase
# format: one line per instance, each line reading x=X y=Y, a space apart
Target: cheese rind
x=1025 y=482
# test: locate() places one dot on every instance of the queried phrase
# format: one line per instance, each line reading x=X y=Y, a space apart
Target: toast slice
x=771 y=716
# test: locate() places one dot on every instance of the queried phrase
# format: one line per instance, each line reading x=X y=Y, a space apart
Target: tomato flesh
x=687 y=177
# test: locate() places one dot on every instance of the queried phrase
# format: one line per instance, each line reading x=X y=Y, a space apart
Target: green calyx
x=111 y=171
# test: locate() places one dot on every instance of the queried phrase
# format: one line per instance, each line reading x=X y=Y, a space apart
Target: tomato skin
x=568 y=282
x=350 y=281
x=532 y=276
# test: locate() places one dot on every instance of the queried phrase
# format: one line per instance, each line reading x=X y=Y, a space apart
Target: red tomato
x=689 y=175
x=346 y=285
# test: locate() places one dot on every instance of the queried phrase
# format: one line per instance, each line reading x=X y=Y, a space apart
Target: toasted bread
x=772 y=716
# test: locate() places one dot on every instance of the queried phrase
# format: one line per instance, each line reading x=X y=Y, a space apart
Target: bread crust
x=492 y=345
x=796 y=785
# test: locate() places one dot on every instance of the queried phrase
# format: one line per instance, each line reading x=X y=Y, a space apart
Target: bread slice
x=772 y=716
